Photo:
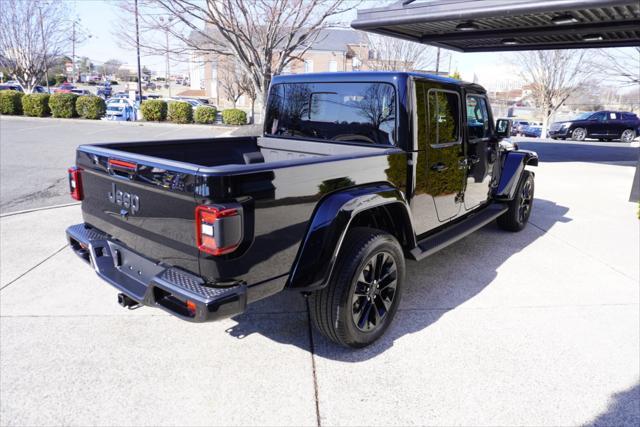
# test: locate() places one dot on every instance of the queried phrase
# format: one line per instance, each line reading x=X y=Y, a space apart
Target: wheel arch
x=513 y=165
x=380 y=206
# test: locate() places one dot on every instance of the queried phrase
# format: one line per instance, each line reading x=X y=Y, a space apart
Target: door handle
x=439 y=167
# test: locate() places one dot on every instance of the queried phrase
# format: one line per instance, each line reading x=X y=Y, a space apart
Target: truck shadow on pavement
x=433 y=287
x=623 y=410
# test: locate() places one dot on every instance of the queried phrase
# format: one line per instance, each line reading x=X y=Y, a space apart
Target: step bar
x=453 y=233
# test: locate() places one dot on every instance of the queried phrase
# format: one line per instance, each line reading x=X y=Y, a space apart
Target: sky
x=100 y=18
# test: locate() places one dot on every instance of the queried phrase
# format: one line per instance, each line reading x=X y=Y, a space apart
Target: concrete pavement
x=534 y=328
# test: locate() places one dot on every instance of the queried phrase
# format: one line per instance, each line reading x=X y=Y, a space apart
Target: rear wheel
x=579 y=134
x=359 y=303
x=628 y=135
x=516 y=218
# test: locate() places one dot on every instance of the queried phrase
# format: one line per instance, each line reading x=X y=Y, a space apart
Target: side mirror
x=503 y=128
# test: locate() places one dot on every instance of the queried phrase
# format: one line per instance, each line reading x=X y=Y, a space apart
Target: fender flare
x=332 y=216
x=512 y=169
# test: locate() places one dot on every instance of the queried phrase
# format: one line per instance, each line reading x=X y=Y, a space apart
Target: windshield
x=348 y=112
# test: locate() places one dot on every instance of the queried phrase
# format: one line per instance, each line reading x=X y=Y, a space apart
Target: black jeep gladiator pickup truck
x=353 y=174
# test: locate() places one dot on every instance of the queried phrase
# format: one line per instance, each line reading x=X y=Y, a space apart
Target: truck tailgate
x=146 y=204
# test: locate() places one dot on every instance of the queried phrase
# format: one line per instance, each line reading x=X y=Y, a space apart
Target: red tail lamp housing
x=75 y=183
x=219 y=230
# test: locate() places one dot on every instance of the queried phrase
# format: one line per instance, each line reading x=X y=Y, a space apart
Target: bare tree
x=263 y=35
x=32 y=34
x=111 y=67
x=553 y=76
x=394 y=54
x=621 y=65
x=249 y=89
x=231 y=82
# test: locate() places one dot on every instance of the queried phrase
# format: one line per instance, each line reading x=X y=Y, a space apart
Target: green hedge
x=91 y=107
x=63 y=105
x=11 y=102
x=205 y=115
x=154 y=110
x=36 y=105
x=233 y=116
x=180 y=112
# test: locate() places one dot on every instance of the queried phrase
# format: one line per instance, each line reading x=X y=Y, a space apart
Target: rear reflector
x=75 y=183
x=218 y=230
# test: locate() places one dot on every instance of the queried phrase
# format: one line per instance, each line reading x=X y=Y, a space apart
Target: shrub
x=180 y=112
x=91 y=107
x=63 y=105
x=154 y=110
x=36 y=105
x=233 y=116
x=205 y=115
x=11 y=102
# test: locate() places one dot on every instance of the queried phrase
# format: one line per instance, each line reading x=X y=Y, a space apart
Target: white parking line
x=39 y=209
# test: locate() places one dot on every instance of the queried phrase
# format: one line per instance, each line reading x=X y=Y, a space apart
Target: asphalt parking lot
x=539 y=327
x=36 y=153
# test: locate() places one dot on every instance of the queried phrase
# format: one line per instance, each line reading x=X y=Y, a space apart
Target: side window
x=444 y=117
x=477 y=118
x=598 y=117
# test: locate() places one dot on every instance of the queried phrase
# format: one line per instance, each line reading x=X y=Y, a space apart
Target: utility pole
x=437 y=61
x=73 y=53
x=138 y=53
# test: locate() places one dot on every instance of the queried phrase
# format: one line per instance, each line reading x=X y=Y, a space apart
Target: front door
x=480 y=151
x=445 y=172
x=597 y=124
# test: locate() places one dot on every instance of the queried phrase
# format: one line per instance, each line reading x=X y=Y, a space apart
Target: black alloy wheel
x=374 y=291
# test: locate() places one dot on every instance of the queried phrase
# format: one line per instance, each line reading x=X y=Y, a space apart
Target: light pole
x=166 y=33
x=44 y=49
x=138 y=54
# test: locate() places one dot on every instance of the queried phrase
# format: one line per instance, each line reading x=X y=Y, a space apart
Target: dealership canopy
x=505 y=25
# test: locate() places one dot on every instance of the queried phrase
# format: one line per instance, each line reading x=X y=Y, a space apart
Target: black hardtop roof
x=370 y=76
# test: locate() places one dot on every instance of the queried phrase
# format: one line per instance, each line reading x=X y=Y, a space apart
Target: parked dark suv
x=603 y=125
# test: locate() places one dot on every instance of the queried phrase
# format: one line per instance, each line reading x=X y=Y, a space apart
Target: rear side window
x=345 y=112
x=628 y=116
x=477 y=118
x=444 y=117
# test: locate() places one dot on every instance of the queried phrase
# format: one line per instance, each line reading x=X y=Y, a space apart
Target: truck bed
x=278 y=181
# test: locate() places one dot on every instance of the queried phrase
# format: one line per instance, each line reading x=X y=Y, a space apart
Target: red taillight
x=75 y=183
x=218 y=230
x=122 y=164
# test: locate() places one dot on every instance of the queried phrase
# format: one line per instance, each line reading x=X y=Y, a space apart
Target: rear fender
x=512 y=169
x=331 y=219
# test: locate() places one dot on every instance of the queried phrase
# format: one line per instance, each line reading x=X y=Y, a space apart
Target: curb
x=110 y=123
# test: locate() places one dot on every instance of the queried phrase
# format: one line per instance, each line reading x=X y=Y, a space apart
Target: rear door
x=445 y=158
x=148 y=205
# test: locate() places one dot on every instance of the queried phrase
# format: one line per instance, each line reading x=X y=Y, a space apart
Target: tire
x=516 y=218
x=628 y=135
x=345 y=310
x=579 y=134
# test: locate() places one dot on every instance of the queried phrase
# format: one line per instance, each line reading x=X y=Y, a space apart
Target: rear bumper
x=154 y=284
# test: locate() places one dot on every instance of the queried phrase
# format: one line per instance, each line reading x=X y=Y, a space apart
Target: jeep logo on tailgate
x=124 y=199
